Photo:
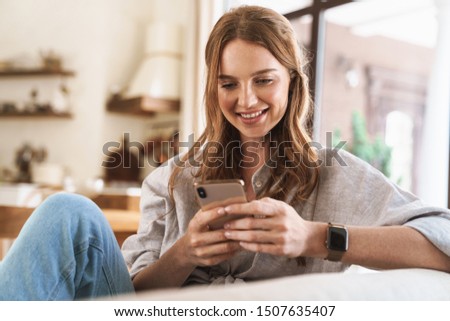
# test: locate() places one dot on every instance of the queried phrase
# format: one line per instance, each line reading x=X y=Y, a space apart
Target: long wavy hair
x=294 y=163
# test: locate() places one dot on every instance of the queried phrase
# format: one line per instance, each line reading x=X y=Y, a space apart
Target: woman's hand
x=273 y=227
x=205 y=247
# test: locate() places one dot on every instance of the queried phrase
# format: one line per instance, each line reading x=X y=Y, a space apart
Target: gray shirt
x=349 y=192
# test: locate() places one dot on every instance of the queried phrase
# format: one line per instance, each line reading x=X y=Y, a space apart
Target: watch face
x=337 y=239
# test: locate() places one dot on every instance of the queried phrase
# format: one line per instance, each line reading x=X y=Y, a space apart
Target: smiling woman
x=254 y=65
x=257 y=95
x=310 y=209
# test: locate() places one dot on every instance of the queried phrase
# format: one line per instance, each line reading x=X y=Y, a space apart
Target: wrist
x=316 y=245
x=180 y=254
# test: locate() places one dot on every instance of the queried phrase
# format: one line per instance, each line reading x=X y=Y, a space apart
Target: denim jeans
x=65 y=251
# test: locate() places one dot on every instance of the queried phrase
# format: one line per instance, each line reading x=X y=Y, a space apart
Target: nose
x=247 y=97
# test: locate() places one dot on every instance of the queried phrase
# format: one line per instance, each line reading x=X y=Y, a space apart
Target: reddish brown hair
x=272 y=31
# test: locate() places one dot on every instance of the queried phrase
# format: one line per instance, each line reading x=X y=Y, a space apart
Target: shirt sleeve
x=353 y=192
x=144 y=248
x=436 y=228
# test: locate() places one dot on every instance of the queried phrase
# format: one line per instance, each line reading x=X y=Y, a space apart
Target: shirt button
x=258 y=184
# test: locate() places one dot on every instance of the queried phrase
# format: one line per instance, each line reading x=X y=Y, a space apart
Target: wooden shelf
x=147 y=106
x=49 y=114
x=37 y=72
x=34 y=72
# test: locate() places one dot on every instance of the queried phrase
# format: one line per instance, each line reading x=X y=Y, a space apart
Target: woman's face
x=253 y=88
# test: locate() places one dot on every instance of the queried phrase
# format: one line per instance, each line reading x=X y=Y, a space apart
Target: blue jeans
x=65 y=251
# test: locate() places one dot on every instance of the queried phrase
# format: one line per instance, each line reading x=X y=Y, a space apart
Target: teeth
x=252 y=115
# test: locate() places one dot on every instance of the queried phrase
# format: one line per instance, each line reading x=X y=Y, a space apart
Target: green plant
x=375 y=151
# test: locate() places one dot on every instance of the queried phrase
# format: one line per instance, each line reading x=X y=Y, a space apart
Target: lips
x=252 y=115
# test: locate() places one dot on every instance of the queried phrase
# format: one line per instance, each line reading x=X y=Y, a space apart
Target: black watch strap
x=334 y=256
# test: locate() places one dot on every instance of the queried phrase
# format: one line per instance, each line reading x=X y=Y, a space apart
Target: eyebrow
x=259 y=72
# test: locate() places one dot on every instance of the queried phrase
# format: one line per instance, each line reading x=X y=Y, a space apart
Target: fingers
x=273 y=227
x=215 y=253
x=254 y=236
x=201 y=219
x=262 y=241
x=261 y=208
x=207 y=238
x=205 y=247
x=214 y=260
x=217 y=249
x=270 y=217
x=253 y=223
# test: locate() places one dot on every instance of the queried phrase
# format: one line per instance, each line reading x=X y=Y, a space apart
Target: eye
x=228 y=85
x=264 y=81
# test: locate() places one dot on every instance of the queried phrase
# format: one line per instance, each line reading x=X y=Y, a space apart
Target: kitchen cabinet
x=8 y=110
x=143 y=106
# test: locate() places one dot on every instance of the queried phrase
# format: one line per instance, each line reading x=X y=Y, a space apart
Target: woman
x=257 y=101
x=257 y=95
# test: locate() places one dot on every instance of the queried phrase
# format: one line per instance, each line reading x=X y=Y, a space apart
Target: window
x=399 y=137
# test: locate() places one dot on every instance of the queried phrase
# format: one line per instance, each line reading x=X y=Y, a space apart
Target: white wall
x=103 y=42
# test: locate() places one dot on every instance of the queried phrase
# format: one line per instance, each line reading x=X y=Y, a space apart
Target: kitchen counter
x=123 y=222
x=17 y=202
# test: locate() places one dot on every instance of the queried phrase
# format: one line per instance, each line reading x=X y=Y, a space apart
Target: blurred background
x=95 y=94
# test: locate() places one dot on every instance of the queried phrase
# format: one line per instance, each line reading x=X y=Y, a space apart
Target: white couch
x=402 y=284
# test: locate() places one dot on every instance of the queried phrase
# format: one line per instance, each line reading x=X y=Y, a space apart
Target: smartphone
x=217 y=193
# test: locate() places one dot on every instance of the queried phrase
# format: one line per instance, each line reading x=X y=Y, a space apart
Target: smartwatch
x=337 y=242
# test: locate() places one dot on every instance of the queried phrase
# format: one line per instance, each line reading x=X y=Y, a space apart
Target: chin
x=253 y=136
